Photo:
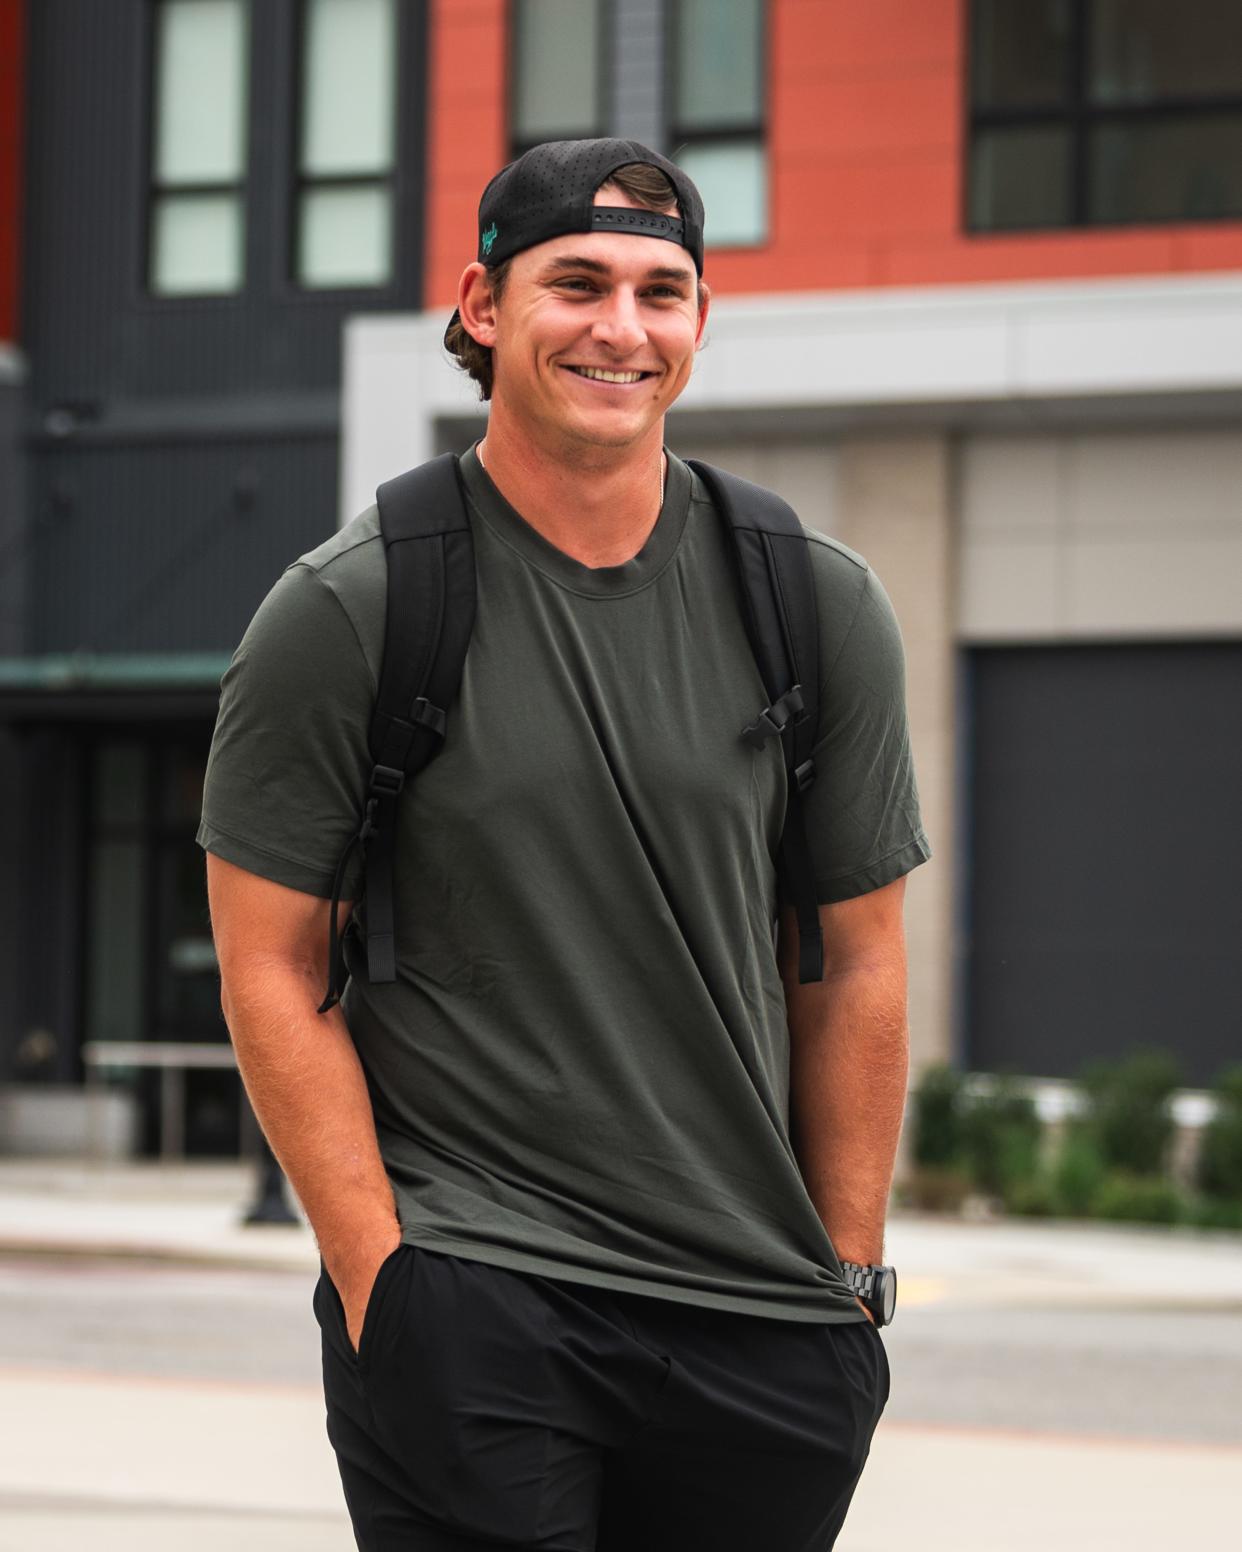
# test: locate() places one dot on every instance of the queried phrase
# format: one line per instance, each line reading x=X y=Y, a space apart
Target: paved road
x=1124 y=1373
x=146 y=1405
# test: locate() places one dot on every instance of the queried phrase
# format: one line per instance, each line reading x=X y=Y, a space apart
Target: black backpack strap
x=778 y=599
x=430 y=615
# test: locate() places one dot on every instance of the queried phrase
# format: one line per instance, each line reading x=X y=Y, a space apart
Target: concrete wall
x=1083 y=535
x=889 y=497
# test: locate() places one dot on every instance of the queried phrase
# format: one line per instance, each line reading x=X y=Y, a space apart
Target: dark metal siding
x=12 y=519
x=182 y=451
x=1106 y=849
x=91 y=332
x=169 y=548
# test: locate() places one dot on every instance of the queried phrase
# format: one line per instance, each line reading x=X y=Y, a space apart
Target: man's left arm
x=848 y=1064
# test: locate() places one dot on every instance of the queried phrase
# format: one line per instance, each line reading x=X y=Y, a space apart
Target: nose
x=617 y=323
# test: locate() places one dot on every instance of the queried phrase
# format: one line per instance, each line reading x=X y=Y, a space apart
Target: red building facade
x=866 y=139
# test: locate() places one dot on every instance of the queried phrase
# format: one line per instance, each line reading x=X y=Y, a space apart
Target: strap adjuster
x=803 y=775
x=775 y=718
x=427 y=715
x=386 y=781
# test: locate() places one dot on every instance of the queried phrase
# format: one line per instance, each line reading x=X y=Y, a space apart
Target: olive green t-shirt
x=582 y=1069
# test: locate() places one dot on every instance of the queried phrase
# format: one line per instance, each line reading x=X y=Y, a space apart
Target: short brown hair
x=645 y=185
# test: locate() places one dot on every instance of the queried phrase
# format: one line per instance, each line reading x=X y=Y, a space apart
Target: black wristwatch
x=876 y=1286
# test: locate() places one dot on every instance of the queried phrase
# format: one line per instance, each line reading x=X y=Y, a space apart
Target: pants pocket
x=460 y=1392
x=370 y=1318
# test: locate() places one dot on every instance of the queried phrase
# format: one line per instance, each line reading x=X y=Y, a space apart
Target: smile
x=599 y=374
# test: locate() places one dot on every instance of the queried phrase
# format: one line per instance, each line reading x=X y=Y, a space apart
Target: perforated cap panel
x=550 y=192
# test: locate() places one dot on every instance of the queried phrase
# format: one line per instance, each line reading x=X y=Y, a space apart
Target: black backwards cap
x=550 y=192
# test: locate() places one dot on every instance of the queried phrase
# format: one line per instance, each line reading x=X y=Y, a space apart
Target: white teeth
x=600 y=376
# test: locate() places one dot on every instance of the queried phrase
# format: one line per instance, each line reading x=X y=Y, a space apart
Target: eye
x=576 y=283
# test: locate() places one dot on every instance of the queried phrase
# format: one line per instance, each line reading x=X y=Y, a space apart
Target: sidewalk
x=135 y=1463
x=192 y=1212
x=124 y=1465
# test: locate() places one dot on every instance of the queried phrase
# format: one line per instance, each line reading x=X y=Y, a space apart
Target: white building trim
x=798 y=358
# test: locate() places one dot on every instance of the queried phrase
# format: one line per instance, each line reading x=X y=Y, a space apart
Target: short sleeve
x=864 y=828
x=289 y=760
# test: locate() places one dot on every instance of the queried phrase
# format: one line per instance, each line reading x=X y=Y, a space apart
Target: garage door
x=1104 y=863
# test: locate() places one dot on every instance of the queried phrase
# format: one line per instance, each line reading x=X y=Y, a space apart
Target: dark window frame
x=155 y=831
x=604 y=86
x=680 y=137
x=1080 y=117
x=154 y=189
x=408 y=52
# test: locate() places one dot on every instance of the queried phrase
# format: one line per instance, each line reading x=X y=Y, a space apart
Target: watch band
x=860 y=1278
x=875 y=1286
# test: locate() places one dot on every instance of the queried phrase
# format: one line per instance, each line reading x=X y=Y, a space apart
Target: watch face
x=888 y=1292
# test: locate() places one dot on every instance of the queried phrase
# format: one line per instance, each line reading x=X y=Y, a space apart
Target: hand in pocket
x=355 y=1283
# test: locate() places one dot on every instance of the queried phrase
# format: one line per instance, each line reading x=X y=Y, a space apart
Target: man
x=583 y=1177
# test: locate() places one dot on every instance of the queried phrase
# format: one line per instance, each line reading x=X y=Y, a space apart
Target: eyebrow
x=595 y=267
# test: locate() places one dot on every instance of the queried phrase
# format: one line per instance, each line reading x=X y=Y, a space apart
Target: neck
x=597 y=504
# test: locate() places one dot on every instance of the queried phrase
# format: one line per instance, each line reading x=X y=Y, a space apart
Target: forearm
x=308 y=1090
x=849 y=1062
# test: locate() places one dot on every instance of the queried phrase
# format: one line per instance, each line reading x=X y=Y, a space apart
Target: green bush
x=1128 y=1109
x=1215 y=1212
x=1033 y=1196
x=938 y=1188
x=937 y=1139
x=1078 y=1172
x=1220 y=1155
x=1000 y=1137
x=1124 y=1197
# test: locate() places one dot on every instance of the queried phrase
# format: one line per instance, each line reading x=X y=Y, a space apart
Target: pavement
x=194 y=1211
x=132 y=1464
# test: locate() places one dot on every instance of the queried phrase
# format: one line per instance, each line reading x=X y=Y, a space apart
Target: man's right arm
x=302 y=1072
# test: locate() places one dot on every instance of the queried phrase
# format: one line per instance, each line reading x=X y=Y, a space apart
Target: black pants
x=490 y=1408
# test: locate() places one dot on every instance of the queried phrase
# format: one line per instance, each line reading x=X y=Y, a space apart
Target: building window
x=716 y=113
x=1098 y=112
x=198 y=148
x=557 y=69
x=346 y=140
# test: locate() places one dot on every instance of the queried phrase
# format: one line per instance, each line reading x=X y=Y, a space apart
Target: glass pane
x=345 y=237
x=200 y=91
x=119 y=794
x=181 y=784
x=1145 y=49
x=1020 y=177
x=732 y=177
x=196 y=244
x=719 y=64
x=349 y=86
x=186 y=975
x=556 y=69
x=114 y=936
x=1020 y=52
x=1173 y=169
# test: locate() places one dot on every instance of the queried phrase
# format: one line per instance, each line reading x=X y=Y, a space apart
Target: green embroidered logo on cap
x=489 y=237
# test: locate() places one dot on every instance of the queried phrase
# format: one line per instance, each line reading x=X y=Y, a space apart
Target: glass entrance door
x=151 y=973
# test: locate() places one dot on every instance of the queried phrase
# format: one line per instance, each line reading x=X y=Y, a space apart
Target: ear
x=477 y=305
x=704 y=305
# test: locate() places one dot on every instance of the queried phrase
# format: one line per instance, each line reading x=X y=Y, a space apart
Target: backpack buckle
x=803 y=775
x=386 y=781
x=775 y=718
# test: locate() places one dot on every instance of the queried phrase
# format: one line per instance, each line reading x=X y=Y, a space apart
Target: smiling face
x=594 y=337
